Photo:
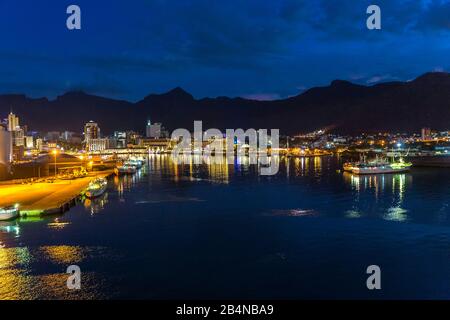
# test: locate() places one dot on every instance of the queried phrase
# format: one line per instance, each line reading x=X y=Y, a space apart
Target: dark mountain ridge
x=343 y=106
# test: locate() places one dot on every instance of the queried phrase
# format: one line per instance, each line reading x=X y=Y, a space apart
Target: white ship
x=96 y=188
x=125 y=169
x=351 y=166
x=9 y=213
x=134 y=163
x=378 y=168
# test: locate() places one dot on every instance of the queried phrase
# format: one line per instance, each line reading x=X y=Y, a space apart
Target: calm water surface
x=223 y=231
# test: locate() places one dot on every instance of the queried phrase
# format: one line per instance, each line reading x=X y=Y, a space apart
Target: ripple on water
x=294 y=213
x=353 y=214
x=169 y=198
x=396 y=214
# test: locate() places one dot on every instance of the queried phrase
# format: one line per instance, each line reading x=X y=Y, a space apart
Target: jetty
x=49 y=196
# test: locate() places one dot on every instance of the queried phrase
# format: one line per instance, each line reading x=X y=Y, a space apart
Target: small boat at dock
x=96 y=188
x=9 y=213
x=134 y=163
x=125 y=169
x=348 y=166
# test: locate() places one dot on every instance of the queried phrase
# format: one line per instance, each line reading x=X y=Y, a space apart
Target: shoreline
x=46 y=198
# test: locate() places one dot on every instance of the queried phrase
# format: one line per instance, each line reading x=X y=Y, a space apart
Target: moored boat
x=9 y=212
x=348 y=166
x=96 y=188
x=134 y=163
x=125 y=169
x=380 y=168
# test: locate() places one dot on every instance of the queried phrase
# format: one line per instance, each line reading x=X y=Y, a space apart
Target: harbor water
x=223 y=231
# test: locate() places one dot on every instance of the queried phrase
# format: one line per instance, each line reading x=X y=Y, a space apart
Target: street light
x=55 y=152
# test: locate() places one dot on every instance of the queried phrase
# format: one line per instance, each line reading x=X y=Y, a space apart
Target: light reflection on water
x=380 y=186
x=19 y=279
x=166 y=211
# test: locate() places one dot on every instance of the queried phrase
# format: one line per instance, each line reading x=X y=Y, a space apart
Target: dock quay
x=46 y=197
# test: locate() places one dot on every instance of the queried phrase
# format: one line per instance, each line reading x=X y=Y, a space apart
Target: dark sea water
x=223 y=231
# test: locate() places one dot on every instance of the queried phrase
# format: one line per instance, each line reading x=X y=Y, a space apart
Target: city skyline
x=184 y=152
x=341 y=106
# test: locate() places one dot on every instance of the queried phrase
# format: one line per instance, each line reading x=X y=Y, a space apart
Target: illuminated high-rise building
x=153 y=130
x=91 y=131
x=13 y=122
x=29 y=142
x=5 y=147
x=121 y=139
x=18 y=137
x=426 y=134
x=39 y=144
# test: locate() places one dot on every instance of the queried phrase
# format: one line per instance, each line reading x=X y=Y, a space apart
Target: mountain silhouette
x=343 y=106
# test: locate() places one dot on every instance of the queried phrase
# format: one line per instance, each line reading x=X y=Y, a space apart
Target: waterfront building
x=18 y=137
x=29 y=142
x=13 y=122
x=99 y=144
x=120 y=139
x=132 y=137
x=156 y=145
x=18 y=153
x=16 y=130
x=39 y=144
x=154 y=130
x=5 y=147
x=5 y=152
x=426 y=134
x=91 y=131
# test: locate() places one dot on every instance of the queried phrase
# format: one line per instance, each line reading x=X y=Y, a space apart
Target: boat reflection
x=11 y=228
x=96 y=205
x=57 y=224
x=379 y=182
x=365 y=187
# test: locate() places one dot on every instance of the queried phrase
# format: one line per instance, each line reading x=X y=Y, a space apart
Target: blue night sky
x=263 y=49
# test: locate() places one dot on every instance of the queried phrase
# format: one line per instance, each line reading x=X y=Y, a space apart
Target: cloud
x=259 y=48
x=381 y=78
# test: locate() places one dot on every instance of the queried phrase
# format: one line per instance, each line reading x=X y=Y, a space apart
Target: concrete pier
x=40 y=198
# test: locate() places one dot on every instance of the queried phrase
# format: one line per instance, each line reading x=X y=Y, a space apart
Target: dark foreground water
x=222 y=231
